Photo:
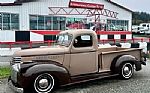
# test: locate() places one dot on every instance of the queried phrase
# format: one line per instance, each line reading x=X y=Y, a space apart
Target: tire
x=126 y=70
x=43 y=83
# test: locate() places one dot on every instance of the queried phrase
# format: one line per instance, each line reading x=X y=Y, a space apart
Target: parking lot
x=138 y=84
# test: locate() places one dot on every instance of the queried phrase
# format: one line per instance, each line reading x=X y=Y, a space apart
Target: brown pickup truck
x=75 y=58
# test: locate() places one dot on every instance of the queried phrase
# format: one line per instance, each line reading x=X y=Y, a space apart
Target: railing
x=27 y=43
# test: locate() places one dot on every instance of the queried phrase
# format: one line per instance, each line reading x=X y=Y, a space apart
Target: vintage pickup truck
x=75 y=58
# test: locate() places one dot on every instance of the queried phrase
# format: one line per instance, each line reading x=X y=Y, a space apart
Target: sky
x=135 y=5
x=6 y=1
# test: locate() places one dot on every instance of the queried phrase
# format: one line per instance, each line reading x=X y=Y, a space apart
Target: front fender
x=124 y=58
x=59 y=72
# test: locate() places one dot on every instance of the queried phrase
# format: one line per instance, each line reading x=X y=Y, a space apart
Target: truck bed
x=110 y=49
x=106 y=55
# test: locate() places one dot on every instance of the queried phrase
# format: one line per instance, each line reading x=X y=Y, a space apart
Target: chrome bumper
x=14 y=88
x=143 y=63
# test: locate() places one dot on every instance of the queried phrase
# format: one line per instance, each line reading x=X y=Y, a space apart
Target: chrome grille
x=17 y=59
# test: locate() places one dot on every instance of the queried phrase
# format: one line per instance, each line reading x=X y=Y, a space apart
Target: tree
x=140 y=17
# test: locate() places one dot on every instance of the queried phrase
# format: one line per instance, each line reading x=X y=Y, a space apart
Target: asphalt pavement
x=139 y=83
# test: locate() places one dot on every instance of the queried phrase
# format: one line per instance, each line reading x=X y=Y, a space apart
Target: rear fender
x=124 y=58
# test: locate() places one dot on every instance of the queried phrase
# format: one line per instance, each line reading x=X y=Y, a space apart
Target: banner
x=84 y=4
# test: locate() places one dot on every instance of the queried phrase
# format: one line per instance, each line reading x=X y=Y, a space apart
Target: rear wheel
x=44 y=83
x=126 y=70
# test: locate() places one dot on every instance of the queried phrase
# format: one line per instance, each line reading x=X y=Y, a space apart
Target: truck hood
x=42 y=51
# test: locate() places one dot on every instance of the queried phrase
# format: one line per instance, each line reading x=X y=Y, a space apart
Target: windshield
x=64 y=39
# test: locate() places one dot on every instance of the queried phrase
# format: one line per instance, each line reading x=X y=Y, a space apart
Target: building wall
x=40 y=7
x=122 y=13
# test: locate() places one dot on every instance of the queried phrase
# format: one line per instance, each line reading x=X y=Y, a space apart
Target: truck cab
x=75 y=58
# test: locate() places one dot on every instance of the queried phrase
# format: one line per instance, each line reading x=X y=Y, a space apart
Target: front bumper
x=13 y=87
x=143 y=62
x=138 y=65
x=13 y=79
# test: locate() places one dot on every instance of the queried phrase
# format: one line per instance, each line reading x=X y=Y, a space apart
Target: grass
x=148 y=56
x=4 y=72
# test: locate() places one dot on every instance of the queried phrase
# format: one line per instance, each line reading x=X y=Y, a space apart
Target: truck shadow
x=106 y=84
x=87 y=86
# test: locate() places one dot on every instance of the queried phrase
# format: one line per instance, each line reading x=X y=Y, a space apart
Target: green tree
x=140 y=17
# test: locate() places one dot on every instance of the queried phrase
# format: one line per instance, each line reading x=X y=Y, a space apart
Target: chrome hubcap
x=43 y=83
x=127 y=70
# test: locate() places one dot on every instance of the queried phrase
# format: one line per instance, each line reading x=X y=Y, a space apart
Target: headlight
x=19 y=66
x=16 y=66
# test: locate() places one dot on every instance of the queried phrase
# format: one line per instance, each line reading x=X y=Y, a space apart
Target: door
x=83 y=56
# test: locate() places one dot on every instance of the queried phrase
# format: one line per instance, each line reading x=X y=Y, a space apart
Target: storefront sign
x=76 y=4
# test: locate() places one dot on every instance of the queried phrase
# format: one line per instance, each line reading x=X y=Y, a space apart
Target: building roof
x=19 y=2
x=16 y=2
x=9 y=4
x=116 y=4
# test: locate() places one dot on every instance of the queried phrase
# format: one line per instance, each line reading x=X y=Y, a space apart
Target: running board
x=77 y=80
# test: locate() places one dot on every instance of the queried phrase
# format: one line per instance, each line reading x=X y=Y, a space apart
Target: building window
x=9 y=21
x=33 y=22
x=76 y=23
x=6 y=21
x=39 y=22
x=62 y=23
x=48 y=23
x=15 y=21
x=117 y=25
x=0 y=21
x=56 y=21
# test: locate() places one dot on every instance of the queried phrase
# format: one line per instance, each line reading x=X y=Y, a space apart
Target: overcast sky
x=6 y=1
x=135 y=5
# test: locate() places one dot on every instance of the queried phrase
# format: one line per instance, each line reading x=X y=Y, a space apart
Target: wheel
x=44 y=83
x=126 y=71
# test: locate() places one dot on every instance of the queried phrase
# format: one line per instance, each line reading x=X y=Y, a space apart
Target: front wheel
x=44 y=83
x=126 y=70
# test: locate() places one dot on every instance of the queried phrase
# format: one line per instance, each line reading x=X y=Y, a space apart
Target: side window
x=83 y=41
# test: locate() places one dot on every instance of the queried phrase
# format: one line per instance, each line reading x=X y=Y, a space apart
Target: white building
x=38 y=20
